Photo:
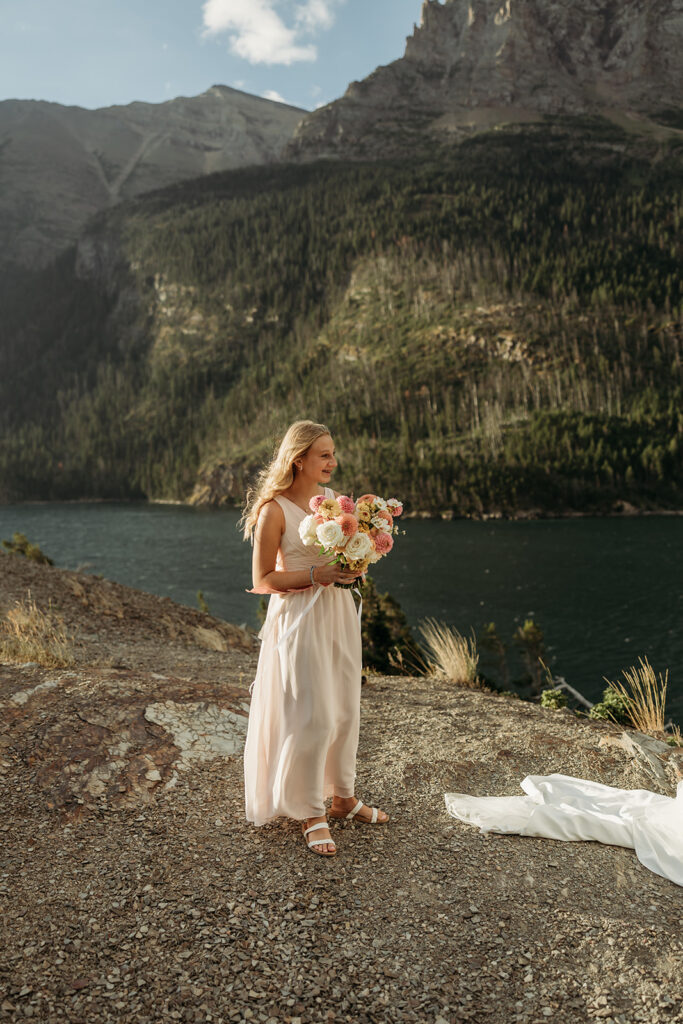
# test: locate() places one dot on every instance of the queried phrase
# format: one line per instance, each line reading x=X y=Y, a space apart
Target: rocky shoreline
x=133 y=890
x=524 y=515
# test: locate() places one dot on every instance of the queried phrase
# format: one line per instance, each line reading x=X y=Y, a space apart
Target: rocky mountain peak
x=473 y=63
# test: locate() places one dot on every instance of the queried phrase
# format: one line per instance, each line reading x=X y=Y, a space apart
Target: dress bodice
x=293 y=554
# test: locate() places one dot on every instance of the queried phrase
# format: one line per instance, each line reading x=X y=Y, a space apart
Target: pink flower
x=369 y=498
x=395 y=507
x=347 y=504
x=316 y=501
x=383 y=542
x=348 y=523
x=386 y=515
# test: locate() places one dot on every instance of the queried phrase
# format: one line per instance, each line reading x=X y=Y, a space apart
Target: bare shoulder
x=271 y=516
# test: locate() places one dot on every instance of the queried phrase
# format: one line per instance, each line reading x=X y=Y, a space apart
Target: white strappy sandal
x=310 y=843
x=354 y=811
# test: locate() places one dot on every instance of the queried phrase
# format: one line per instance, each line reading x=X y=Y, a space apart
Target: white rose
x=307 y=530
x=381 y=524
x=357 y=547
x=330 y=534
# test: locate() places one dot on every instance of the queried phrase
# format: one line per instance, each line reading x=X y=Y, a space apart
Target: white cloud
x=272 y=94
x=258 y=32
x=315 y=14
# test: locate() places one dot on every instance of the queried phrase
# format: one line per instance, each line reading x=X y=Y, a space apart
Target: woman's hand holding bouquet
x=357 y=533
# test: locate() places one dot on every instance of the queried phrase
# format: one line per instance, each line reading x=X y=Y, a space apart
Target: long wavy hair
x=279 y=474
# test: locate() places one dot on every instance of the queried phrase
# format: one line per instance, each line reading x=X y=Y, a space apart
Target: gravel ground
x=152 y=902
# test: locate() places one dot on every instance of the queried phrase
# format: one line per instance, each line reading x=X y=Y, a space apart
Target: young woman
x=302 y=735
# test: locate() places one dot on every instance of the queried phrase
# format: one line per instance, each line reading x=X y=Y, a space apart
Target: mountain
x=474 y=64
x=495 y=329
x=488 y=327
x=59 y=165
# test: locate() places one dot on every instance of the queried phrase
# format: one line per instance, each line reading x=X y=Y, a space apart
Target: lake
x=604 y=591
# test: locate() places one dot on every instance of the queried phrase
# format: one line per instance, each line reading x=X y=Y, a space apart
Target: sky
x=96 y=53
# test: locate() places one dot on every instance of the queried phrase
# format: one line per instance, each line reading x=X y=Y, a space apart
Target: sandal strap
x=320 y=842
x=355 y=810
x=321 y=824
x=374 y=815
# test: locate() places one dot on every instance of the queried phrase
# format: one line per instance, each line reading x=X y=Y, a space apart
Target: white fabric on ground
x=569 y=809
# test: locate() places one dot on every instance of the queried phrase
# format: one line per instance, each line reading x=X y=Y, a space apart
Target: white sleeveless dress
x=302 y=735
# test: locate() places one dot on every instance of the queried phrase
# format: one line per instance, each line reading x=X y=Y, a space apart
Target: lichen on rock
x=201 y=731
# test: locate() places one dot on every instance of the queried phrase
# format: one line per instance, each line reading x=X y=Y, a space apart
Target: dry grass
x=452 y=656
x=644 y=695
x=674 y=733
x=29 y=634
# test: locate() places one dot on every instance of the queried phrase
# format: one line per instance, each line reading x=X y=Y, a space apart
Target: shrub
x=554 y=699
x=453 y=656
x=489 y=642
x=643 y=697
x=20 y=545
x=388 y=644
x=29 y=634
x=612 y=707
x=529 y=640
x=262 y=610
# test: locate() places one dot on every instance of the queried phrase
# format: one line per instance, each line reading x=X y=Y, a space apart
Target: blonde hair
x=279 y=474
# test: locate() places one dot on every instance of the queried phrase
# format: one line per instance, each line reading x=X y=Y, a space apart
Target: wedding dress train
x=566 y=808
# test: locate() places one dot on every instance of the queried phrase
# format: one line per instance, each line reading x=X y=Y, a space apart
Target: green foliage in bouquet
x=20 y=545
x=388 y=644
x=554 y=699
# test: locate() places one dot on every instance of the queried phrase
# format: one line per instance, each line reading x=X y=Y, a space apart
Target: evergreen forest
x=492 y=328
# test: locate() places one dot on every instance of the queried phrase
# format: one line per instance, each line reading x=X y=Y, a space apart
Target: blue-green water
x=604 y=591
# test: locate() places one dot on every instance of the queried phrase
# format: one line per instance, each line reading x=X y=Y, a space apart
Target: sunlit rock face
x=476 y=63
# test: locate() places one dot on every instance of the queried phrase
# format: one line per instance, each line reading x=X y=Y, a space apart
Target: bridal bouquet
x=358 y=533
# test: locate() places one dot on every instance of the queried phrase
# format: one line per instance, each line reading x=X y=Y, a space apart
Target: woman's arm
x=267 y=536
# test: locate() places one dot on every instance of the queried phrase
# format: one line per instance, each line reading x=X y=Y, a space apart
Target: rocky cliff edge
x=133 y=888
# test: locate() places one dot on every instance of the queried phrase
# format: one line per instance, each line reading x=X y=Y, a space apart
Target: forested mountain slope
x=496 y=328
